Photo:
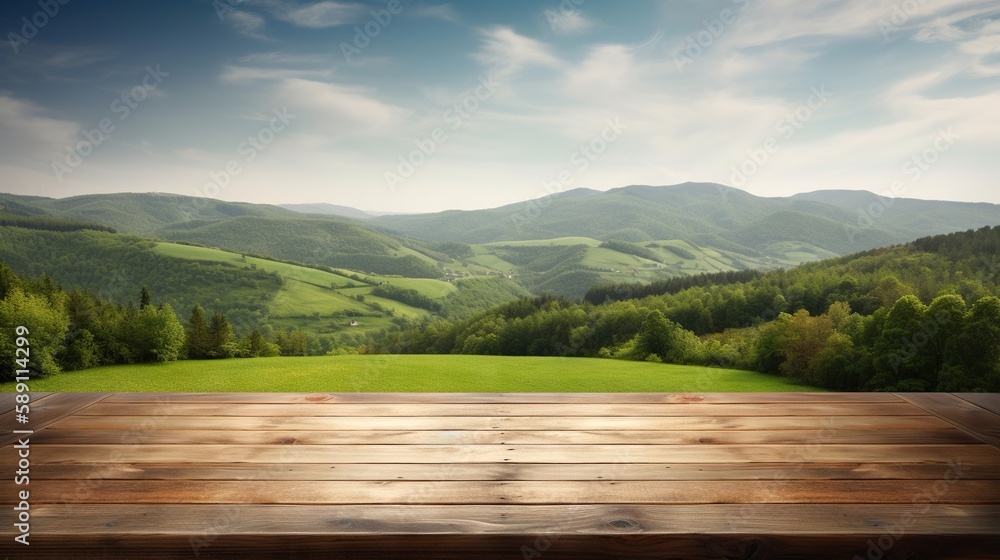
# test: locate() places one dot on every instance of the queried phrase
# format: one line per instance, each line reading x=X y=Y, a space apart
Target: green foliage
x=47 y=322
x=409 y=296
x=258 y=347
x=196 y=340
x=407 y=265
x=114 y=267
x=153 y=333
x=601 y=293
x=49 y=223
x=831 y=324
x=631 y=249
x=477 y=294
x=680 y=252
x=220 y=337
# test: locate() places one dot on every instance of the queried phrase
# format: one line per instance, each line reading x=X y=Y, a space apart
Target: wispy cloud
x=27 y=133
x=444 y=12
x=246 y=23
x=507 y=52
x=321 y=14
x=339 y=108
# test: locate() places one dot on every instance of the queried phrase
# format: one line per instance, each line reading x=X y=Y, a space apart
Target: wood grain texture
x=506 y=398
x=972 y=418
x=45 y=411
x=376 y=453
x=924 y=470
x=497 y=437
x=819 y=424
x=826 y=531
x=495 y=492
x=989 y=401
x=533 y=475
x=515 y=409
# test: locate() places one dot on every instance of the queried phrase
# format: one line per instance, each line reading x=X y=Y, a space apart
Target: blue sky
x=420 y=106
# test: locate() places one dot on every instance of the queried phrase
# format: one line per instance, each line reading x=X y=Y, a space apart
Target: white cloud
x=442 y=11
x=508 y=52
x=28 y=135
x=605 y=67
x=353 y=108
x=322 y=14
x=568 y=22
x=245 y=74
x=246 y=23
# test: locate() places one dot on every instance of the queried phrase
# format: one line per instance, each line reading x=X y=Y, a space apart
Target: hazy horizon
x=378 y=211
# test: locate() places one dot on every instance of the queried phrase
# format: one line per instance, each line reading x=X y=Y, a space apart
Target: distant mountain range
x=329 y=209
x=707 y=214
x=563 y=243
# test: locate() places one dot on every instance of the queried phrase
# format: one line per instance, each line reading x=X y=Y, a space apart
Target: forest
x=72 y=330
x=924 y=316
x=916 y=317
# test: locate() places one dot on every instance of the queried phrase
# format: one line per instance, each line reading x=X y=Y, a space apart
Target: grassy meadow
x=411 y=373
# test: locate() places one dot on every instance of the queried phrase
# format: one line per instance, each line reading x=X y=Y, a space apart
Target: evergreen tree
x=197 y=340
x=220 y=337
x=144 y=298
x=259 y=347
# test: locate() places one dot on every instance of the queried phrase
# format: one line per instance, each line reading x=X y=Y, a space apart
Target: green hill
x=253 y=292
x=924 y=316
x=708 y=214
x=143 y=213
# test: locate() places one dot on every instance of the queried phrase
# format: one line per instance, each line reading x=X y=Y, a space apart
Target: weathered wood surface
x=540 y=475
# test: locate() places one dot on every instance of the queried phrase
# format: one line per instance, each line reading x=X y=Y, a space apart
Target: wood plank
x=732 y=519
x=989 y=401
x=496 y=437
x=48 y=410
x=976 y=420
x=351 y=409
x=821 y=424
x=788 y=453
x=972 y=470
x=7 y=400
x=372 y=546
x=506 y=398
x=504 y=492
x=824 y=531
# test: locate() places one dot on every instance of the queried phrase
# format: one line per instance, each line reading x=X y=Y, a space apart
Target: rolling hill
x=328 y=209
x=708 y=214
x=548 y=246
x=253 y=292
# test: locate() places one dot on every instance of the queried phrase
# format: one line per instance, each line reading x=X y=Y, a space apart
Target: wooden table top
x=528 y=475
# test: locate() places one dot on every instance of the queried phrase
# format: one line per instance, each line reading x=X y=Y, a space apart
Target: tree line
x=901 y=319
x=72 y=330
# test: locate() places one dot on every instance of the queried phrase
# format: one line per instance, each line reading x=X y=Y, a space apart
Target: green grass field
x=398 y=373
